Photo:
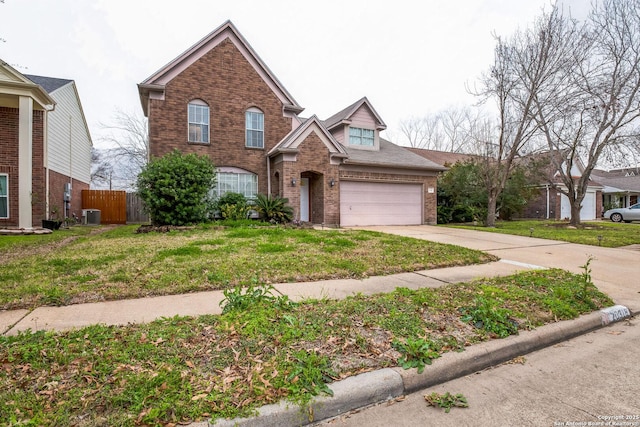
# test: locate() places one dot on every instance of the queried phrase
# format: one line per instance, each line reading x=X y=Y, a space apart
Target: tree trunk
x=491 y=210
x=575 y=213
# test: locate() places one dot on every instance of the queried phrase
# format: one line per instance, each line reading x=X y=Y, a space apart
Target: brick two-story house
x=220 y=99
x=45 y=149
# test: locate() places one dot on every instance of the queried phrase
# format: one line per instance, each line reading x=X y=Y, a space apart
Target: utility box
x=91 y=216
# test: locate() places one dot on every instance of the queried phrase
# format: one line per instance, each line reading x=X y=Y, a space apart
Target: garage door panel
x=366 y=203
x=588 y=211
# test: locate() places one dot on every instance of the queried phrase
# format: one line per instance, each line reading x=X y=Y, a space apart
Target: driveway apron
x=614 y=271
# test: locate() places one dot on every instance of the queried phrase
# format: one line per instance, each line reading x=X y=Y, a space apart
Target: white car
x=632 y=213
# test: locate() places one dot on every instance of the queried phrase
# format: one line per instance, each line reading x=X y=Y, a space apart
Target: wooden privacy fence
x=135 y=209
x=112 y=205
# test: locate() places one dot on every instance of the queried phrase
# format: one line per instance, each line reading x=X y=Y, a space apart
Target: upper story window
x=254 y=123
x=4 y=196
x=360 y=136
x=198 y=121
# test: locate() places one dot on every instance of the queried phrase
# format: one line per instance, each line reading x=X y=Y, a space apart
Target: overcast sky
x=410 y=58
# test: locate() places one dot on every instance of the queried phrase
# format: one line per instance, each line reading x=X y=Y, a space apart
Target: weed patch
x=263 y=349
x=446 y=400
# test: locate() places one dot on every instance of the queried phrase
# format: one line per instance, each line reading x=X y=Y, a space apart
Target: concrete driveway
x=614 y=271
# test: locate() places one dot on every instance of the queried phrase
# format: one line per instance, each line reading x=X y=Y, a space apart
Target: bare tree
x=129 y=141
x=592 y=109
x=446 y=130
x=523 y=66
x=422 y=132
x=101 y=170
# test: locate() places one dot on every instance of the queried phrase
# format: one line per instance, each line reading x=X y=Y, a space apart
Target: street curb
x=385 y=384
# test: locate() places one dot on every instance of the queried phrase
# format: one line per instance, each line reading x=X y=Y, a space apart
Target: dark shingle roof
x=48 y=83
x=441 y=157
x=616 y=180
x=390 y=155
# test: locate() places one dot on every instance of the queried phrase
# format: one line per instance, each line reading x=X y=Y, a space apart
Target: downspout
x=547 y=186
x=45 y=161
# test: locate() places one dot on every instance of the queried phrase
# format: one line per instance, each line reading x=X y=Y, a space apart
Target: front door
x=304 y=199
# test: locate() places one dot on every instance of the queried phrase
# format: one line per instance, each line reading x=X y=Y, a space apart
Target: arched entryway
x=312 y=197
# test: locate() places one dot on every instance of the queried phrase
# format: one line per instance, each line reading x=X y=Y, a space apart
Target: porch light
x=293 y=182
x=332 y=182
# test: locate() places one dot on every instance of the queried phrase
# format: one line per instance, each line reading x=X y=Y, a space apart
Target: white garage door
x=369 y=203
x=588 y=211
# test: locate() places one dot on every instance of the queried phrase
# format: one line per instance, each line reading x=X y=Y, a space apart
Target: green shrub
x=274 y=209
x=233 y=206
x=175 y=188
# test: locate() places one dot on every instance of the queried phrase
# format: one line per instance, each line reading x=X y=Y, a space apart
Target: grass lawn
x=119 y=263
x=184 y=369
x=613 y=234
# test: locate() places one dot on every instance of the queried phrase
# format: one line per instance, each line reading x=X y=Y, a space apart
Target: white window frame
x=201 y=123
x=245 y=183
x=250 y=130
x=357 y=137
x=6 y=194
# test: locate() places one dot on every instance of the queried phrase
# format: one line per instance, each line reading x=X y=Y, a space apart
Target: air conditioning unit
x=91 y=216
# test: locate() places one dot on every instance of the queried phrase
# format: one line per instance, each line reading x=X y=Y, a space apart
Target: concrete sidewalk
x=143 y=310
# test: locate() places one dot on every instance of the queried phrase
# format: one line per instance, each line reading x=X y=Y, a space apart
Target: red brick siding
x=57 y=182
x=229 y=85
x=312 y=162
x=9 y=133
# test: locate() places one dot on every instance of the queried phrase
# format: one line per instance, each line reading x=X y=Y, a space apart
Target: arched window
x=236 y=180
x=198 y=121
x=254 y=124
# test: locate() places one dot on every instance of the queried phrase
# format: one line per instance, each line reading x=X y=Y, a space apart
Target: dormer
x=358 y=126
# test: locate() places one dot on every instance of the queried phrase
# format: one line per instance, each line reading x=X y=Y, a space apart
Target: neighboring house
x=45 y=149
x=550 y=202
x=219 y=98
x=621 y=187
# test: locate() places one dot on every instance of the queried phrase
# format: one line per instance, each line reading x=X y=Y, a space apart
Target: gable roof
x=13 y=83
x=613 y=181
x=157 y=81
x=390 y=155
x=290 y=142
x=49 y=84
x=344 y=116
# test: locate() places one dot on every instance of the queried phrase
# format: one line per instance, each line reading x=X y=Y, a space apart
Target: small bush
x=274 y=209
x=233 y=206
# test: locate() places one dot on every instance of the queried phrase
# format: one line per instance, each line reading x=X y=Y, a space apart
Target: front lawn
x=613 y=235
x=184 y=369
x=120 y=263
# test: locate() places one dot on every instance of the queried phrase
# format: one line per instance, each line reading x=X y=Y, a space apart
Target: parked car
x=632 y=213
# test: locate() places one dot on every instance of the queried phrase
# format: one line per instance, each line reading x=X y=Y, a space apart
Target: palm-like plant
x=273 y=209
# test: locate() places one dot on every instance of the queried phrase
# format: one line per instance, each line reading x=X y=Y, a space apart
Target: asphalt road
x=590 y=379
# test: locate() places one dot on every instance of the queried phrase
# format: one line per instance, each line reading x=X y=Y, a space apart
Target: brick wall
x=229 y=85
x=9 y=133
x=57 y=182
